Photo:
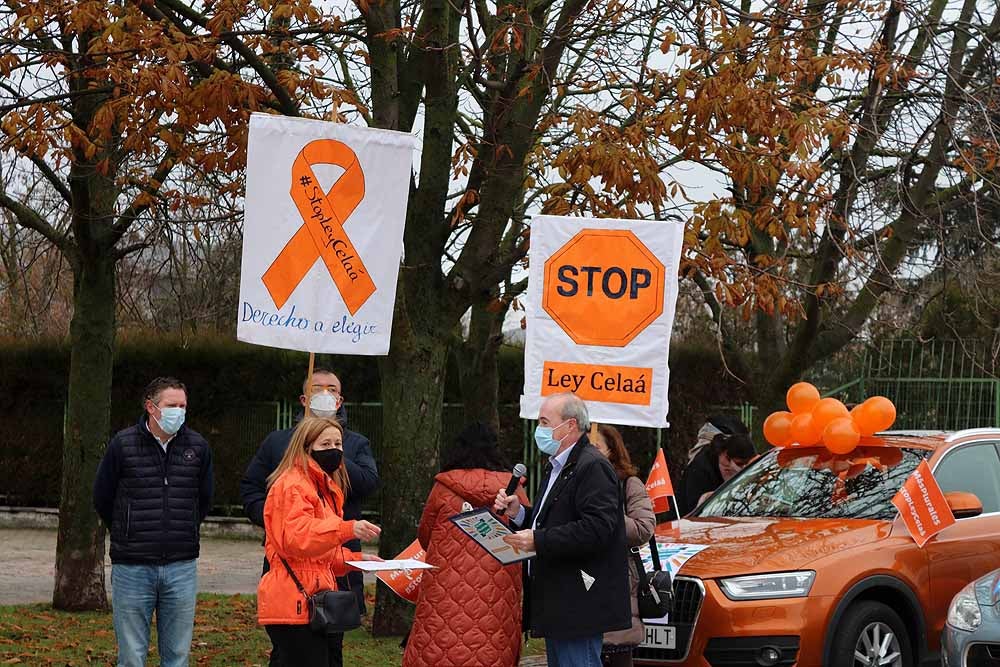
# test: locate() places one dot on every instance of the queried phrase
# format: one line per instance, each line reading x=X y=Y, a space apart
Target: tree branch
x=30 y=219
x=140 y=204
x=288 y=106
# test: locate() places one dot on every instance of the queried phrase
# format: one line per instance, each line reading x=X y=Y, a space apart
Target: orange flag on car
x=405 y=583
x=658 y=484
x=922 y=505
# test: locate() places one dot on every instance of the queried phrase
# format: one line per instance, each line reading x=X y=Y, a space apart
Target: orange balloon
x=778 y=429
x=801 y=397
x=804 y=430
x=880 y=412
x=828 y=409
x=841 y=435
x=862 y=421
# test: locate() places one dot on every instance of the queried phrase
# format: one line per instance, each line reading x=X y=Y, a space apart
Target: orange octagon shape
x=603 y=287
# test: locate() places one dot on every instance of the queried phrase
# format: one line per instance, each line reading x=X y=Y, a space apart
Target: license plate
x=660 y=636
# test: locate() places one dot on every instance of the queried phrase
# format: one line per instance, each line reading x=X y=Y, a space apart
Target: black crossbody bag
x=655 y=592
x=330 y=612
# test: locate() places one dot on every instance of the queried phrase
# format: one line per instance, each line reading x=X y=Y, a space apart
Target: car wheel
x=871 y=635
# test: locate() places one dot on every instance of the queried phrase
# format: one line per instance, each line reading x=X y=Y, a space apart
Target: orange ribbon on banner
x=658 y=484
x=322 y=235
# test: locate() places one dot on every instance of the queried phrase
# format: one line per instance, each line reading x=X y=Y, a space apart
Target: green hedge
x=225 y=379
x=233 y=388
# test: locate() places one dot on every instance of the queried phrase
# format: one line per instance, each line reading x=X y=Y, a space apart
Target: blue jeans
x=138 y=590
x=584 y=652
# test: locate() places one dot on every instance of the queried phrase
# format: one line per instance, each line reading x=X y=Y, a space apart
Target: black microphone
x=517 y=473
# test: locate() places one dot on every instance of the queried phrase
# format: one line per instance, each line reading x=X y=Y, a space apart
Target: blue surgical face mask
x=544 y=441
x=171 y=420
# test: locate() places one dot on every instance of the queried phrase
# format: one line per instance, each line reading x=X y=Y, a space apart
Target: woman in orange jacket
x=304 y=524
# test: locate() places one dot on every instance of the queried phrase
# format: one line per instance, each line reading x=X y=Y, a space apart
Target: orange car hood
x=756 y=545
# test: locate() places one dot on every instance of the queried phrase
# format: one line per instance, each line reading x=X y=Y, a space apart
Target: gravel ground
x=225 y=566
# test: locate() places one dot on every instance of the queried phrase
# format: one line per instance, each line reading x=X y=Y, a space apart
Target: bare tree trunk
x=413 y=376
x=478 y=373
x=79 y=582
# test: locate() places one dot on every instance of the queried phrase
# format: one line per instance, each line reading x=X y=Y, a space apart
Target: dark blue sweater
x=358 y=460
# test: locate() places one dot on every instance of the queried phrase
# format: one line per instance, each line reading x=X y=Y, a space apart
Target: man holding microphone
x=577 y=584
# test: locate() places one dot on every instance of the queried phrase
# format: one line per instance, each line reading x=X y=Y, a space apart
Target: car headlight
x=964 y=613
x=767 y=586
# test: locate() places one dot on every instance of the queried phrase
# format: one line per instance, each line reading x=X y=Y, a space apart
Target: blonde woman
x=304 y=525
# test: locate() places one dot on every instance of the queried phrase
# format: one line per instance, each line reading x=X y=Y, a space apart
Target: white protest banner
x=322 y=235
x=600 y=309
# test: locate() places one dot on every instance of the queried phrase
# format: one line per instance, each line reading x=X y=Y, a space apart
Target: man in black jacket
x=153 y=489
x=577 y=585
x=325 y=399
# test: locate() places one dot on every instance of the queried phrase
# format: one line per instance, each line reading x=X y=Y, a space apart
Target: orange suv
x=808 y=562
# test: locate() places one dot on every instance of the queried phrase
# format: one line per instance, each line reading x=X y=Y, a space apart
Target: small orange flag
x=405 y=583
x=658 y=485
x=922 y=505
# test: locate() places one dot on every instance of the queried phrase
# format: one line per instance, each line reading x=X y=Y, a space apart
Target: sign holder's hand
x=522 y=540
x=505 y=505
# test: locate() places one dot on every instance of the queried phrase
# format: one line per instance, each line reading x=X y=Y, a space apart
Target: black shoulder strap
x=640 y=570
x=298 y=583
x=655 y=553
x=657 y=566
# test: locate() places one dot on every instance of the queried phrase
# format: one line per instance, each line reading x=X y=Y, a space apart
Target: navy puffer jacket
x=154 y=502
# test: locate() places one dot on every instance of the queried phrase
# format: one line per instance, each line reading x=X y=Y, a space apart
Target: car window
x=812 y=482
x=973 y=469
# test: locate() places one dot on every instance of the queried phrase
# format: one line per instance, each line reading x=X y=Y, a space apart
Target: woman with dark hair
x=640 y=521
x=469 y=606
x=717 y=463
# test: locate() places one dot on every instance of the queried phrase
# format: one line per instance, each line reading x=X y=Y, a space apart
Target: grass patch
x=226 y=634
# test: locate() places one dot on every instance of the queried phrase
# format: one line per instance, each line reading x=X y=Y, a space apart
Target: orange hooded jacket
x=304 y=523
x=469 y=609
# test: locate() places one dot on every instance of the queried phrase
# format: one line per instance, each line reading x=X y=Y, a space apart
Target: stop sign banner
x=600 y=309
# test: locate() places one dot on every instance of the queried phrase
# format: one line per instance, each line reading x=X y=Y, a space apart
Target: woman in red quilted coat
x=469 y=608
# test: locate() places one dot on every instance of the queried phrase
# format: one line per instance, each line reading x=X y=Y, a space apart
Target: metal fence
x=935 y=385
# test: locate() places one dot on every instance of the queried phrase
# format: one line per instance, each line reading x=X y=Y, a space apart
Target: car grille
x=983 y=655
x=688 y=597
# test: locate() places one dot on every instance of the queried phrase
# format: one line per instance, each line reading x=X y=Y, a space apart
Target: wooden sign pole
x=309 y=383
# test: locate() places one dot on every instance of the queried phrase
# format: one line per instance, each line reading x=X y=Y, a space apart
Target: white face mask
x=323 y=404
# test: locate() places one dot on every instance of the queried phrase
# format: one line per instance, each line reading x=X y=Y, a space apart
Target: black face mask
x=328 y=459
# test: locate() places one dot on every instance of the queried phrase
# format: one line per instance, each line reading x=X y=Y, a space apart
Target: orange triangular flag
x=922 y=505
x=658 y=485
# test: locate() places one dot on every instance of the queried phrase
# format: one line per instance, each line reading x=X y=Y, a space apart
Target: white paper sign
x=322 y=235
x=387 y=565
x=600 y=310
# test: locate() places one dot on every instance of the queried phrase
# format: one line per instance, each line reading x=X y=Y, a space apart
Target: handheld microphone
x=517 y=473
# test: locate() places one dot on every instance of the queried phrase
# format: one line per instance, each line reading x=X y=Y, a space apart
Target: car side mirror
x=964 y=505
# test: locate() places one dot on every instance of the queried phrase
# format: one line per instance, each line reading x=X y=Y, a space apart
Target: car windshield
x=812 y=482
